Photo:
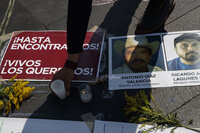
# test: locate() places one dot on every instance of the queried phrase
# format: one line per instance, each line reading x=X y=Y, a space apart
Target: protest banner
x=37 y=55
x=122 y=127
x=154 y=60
x=28 y=125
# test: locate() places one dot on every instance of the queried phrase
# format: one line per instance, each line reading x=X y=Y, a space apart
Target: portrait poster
x=38 y=55
x=154 y=60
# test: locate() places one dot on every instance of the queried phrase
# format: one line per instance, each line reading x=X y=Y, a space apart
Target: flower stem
x=193 y=129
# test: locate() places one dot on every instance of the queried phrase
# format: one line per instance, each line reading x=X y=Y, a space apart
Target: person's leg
x=155 y=16
x=77 y=22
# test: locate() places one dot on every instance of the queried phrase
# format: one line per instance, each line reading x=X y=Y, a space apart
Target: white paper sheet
x=120 y=127
x=20 y=125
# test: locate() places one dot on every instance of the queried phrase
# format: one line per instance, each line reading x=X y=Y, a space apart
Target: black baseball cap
x=186 y=36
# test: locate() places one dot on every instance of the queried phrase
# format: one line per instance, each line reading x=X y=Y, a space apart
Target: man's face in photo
x=137 y=57
x=188 y=50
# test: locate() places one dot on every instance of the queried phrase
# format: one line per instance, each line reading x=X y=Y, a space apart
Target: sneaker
x=155 y=16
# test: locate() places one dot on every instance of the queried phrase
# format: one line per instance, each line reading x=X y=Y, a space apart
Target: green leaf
x=142 y=119
x=143 y=125
x=190 y=122
x=172 y=131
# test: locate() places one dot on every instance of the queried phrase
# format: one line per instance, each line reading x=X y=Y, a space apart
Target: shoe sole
x=158 y=26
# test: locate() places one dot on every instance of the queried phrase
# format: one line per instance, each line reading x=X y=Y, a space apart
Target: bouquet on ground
x=142 y=112
x=12 y=94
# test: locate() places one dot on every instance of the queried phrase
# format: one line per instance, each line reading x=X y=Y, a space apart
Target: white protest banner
x=121 y=127
x=154 y=60
x=22 y=125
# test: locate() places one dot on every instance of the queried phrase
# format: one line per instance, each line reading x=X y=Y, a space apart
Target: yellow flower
x=6 y=90
x=20 y=98
x=1 y=104
x=8 y=107
x=26 y=92
x=10 y=96
x=15 y=102
x=24 y=83
x=16 y=89
x=13 y=78
x=17 y=106
x=18 y=93
x=15 y=84
x=14 y=94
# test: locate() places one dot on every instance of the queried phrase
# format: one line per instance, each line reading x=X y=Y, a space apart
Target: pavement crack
x=183 y=15
x=184 y=103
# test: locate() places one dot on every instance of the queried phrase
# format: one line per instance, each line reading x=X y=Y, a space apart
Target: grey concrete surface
x=181 y=100
x=119 y=19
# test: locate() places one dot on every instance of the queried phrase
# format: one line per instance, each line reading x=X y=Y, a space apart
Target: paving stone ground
x=119 y=18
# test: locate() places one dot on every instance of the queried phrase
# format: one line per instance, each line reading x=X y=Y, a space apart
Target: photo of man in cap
x=137 y=53
x=187 y=47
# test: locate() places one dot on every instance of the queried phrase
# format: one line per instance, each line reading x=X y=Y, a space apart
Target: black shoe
x=155 y=16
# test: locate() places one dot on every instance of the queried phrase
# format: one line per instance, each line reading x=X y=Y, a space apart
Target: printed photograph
x=182 y=51
x=137 y=54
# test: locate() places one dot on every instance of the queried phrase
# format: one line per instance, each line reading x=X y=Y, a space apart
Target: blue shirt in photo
x=176 y=64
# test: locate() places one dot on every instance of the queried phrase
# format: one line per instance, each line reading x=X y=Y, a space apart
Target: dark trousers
x=77 y=22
